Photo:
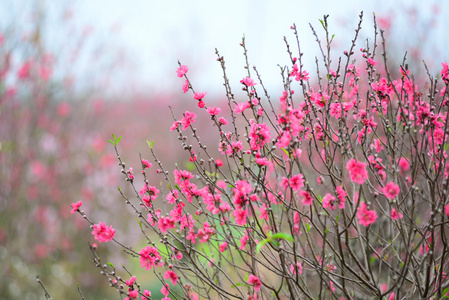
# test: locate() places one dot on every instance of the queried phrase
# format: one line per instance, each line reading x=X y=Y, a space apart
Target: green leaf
x=284 y=236
x=140 y=224
x=332 y=38
x=446 y=146
x=150 y=144
x=111 y=264
x=322 y=23
x=307 y=227
x=337 y=217
x=446 y=290
x=260 y=245
x=115 y=140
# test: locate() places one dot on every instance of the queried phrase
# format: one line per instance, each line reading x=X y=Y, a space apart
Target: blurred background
x=72 y=73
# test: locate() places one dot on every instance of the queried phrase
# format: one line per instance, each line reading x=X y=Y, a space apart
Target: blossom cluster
x=306 y=198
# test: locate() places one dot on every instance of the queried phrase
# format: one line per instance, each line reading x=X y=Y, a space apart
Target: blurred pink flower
x=189 y=118
x=365 y=216
x=357 y=171
x=391 y=190
x=213 y=110
x=240 y=216
x=329 y=202
x=185 y=86
x=63 y=109
x=102 y=233
x=134 y=294
x=372 y=61
x=131 y=281
x=404 y=165
x=240 y=107
x=223 y=246
x=298 y=267
x=445 y=72
x=255 y=281
x=25 y=70
x=223 y=121
x=146 y=163
x=149 y=257
x=297 y=182
x=395 y=215
x=182 y=71
x=306 y=197
x=171 y=275
x=76 y=206
x=165 y=290
x=199 y=96
x=248 y=81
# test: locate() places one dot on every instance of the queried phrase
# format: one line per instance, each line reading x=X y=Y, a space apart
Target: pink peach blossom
x=76 y=206
x=391 y=190
x=366 y=217
x=306 y=197
x=395 y=215
x=171 y=275
x=181 y=71
x=248 y=81
x=213 y=110
x=357 y=171
x=149 y=257
x=223 y=246
x=199 y=96
x=255 y=281
x=102 y=233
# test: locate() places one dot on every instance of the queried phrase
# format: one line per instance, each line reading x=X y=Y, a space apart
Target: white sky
x=158 y=33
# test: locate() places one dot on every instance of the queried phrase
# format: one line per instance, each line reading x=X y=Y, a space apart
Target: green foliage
x=271 y=238
x=115 y=140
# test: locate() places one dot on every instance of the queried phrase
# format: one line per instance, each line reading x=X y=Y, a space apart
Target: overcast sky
x=156 y=34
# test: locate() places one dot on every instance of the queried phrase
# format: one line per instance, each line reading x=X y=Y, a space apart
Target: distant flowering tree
x=337 y=191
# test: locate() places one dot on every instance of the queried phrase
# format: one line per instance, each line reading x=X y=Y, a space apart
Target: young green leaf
x=260 y=245
x=307 y=227
x=284 y=236
x=322 y=23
